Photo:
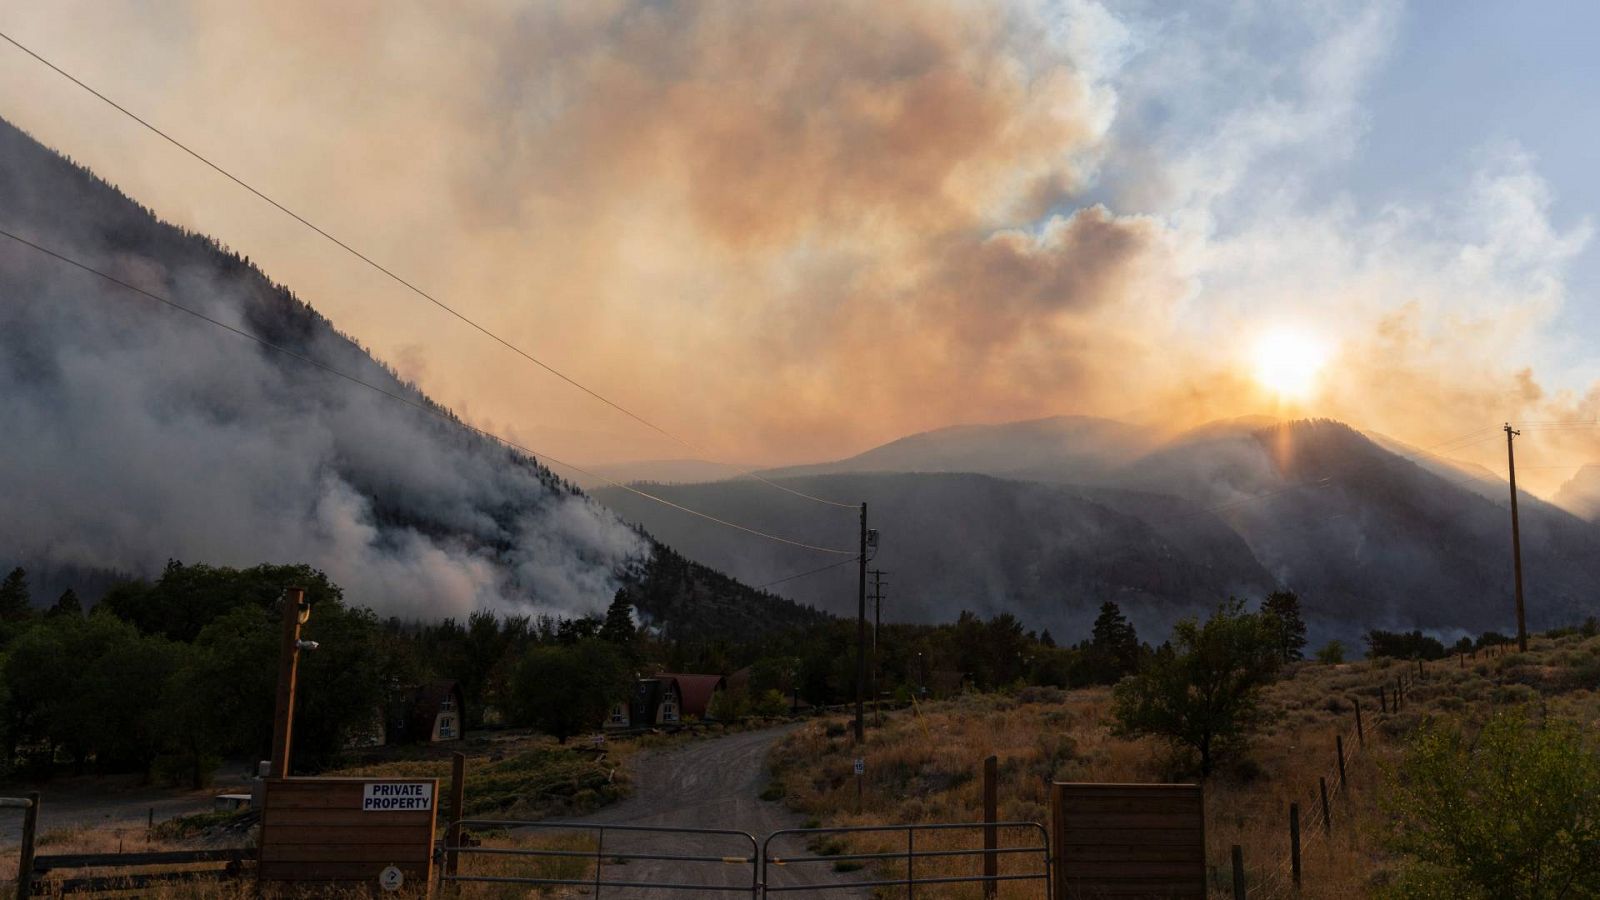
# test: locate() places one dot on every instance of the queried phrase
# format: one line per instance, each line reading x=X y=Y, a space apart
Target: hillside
x=955 y=542
x=1368 y=537
x=151 y=435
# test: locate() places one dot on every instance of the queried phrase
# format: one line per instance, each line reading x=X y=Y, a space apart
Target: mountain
x=958 y=541
x=1367 y=536
x=135 y=433
x=658 y=471
x=1061 y=449
x=1581 y=494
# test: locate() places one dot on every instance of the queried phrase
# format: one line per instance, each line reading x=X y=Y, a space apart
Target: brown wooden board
x=343 y=829
x=1129 y=840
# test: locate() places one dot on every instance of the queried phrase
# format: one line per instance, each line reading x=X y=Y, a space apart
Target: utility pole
x=877 y=623
x=869 y=541
x=1516 y=541
x=295 y=613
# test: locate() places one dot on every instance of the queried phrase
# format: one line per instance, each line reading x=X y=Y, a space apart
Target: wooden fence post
x=1238 y=873
x=1383 y=699
x=458 y=796
x=991 y=834
x=1361 y=736
x=1294 y=842
x=1419 y=668
x=30 y=831
x=1327 y=822
x=1338 y=743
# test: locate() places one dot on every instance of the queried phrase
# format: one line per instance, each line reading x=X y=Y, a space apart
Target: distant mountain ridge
x=135 y=434
x=1368 y=537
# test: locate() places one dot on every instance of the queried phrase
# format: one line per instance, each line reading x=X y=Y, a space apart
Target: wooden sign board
x=348 y=829
x=1129 y=840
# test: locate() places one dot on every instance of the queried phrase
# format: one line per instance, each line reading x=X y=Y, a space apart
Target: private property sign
x=389 y=796
x=349 y=830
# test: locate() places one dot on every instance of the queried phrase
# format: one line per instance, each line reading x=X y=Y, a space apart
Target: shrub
x=1332 y=653
x=1512 y=813
x=1201 y=691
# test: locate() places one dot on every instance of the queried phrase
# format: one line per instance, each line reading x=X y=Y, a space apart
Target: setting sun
x=1288 y=361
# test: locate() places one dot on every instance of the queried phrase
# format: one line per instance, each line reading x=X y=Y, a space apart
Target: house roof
x=694 y=691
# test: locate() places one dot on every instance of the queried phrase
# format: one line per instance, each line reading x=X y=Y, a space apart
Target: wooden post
x=458 y=795
x=1361 y=736
x=30 y=832
x=1338 y=743
x=295 y=613
x=1294 y=842
x=1327 y=823
x=1419 y=668
x=991 y=834
x=1463 y=660
x=1238 y=873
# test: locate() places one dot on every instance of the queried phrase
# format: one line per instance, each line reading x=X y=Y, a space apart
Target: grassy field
x=926 y=765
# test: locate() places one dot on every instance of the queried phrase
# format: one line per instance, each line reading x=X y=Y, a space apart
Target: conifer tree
x=618 y=627
x=14 y=597
x=68 y=604
x=1284 y=608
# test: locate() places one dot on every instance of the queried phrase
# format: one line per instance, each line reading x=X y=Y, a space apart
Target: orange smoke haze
x=791 y=230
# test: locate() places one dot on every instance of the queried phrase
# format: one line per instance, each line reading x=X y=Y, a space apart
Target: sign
x=1118 y=838
x=391 y=878
x=861 y=766
x=396 y=796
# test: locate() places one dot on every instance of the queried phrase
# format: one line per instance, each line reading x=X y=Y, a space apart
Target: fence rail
x=910 y=855
x=743 y=841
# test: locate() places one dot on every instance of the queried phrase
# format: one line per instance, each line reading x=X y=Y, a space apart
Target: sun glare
x=1288 y=362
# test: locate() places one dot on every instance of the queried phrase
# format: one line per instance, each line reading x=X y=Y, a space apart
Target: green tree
x=67 y=604
x=566 y=689
x=1284 y=608
x=1114 y=646
x=1201 y=691
x=1332 y=653
x=1511 y=813
x=618 y=627
x=15 y=601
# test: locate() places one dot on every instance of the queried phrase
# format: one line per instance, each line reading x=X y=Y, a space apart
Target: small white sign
x=391 y=879
x=861 y=766
x=396 y=796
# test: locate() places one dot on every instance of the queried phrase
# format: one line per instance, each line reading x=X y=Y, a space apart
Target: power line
x=416 y=404
x=830 y=566
x=410 y=286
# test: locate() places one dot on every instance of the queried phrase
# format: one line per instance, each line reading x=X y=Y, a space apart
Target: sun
x=1288 y=362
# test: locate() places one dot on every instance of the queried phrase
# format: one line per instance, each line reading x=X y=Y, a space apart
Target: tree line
x=173 y=675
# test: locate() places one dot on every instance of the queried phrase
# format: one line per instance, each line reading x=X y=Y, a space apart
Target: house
x=666 y=699
x=427 y=713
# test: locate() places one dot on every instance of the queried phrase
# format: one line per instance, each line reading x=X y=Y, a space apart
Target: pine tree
x=618 y=627
x=67 y=605
x=1115 y=642
x=15 y=602
x=1046 y=640
x=1284 y=607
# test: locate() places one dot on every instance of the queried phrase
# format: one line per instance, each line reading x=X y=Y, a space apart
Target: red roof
x=694 y=691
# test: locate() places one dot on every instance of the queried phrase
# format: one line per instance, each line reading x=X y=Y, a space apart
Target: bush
x=1201 y=691
x=1332 y=653
x=1514 y=813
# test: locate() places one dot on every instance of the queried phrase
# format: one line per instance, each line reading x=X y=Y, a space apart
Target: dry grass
x=925 y=765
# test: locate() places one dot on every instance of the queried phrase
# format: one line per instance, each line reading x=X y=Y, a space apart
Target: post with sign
x=349 y=830
x=860 y=769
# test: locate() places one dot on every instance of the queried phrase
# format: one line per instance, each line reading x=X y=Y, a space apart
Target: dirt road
x=708 y=784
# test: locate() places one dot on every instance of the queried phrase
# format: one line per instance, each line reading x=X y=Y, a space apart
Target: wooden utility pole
x=1516 y=540
x=861 y=634
x=991 y=834
x=877 y=623
x=295 y=613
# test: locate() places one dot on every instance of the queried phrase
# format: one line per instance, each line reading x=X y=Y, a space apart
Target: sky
x=790 y=231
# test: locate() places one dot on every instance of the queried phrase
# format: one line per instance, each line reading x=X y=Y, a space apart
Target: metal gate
x=628 y=858
x=725 y=861
x=1037 y=843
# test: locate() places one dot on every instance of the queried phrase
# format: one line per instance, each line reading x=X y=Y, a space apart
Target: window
x=447 y=727
x=669 y=709
x=447 y=704
x=619 y=714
